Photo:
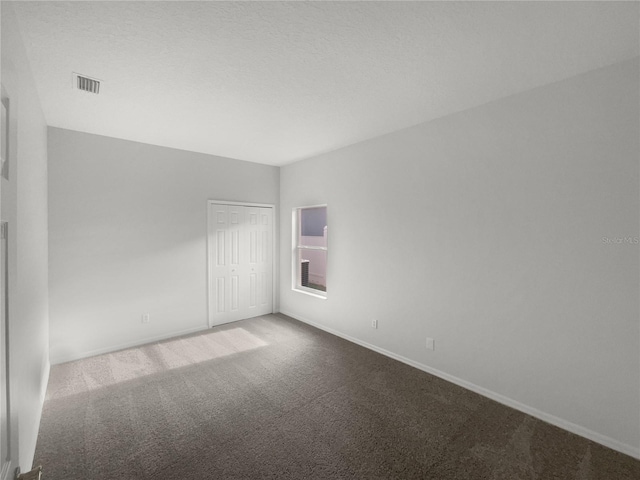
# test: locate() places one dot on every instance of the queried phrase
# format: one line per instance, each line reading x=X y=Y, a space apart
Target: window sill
x=311 y=294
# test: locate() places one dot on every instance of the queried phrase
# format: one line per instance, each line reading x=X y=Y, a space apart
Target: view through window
x=310 y=253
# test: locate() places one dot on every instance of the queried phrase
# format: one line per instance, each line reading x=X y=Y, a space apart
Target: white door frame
x=7 y=214
x=6 y=464
x=210 y=204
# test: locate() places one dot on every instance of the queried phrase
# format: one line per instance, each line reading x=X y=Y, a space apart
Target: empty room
x=320 y=240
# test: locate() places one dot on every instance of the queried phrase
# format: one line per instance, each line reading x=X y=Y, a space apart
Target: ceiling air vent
x=86 y=84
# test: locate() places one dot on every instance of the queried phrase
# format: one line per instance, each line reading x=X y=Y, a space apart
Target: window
x=310 y=250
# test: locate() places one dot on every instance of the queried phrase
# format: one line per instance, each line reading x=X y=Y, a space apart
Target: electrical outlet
x=374 y=323
x=146 y=318
x=431 y=344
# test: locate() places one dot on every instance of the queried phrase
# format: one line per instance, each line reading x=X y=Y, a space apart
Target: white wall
x=127 y=236
x=24 y=205
x=485 y=231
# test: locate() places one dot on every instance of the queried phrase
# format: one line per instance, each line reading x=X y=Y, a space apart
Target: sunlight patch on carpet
x=102 y=371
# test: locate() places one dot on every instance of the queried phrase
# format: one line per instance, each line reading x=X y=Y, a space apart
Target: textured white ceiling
x=275 y=82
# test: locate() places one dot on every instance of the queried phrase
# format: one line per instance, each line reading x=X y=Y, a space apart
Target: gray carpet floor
x=271 y=397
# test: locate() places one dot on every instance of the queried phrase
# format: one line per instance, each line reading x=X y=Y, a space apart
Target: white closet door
x=218 y=261
x=240 y=262
x=236 y=270
x=260 y=272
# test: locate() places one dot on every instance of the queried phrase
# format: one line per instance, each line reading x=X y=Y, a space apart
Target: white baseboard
x=55 y=360
x=534 y=412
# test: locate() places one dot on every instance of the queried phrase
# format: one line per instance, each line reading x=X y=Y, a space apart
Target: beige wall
x=127 y=236
x=485 y=230
x=24 y=205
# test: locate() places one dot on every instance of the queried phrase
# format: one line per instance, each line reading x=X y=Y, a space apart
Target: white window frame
x=295 y=253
